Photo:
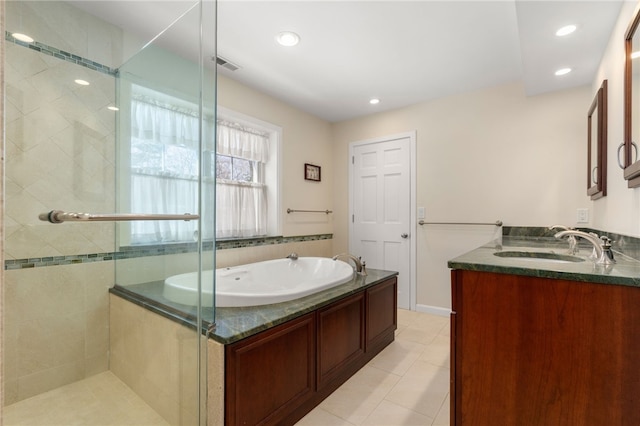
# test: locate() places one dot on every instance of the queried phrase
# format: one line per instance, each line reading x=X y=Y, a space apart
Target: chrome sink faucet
x=573 y=243
x=603 y=255
x=360 y=265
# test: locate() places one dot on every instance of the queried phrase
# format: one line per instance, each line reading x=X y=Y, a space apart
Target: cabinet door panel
x=382 y=313
x=340 y=336
x=269 y=374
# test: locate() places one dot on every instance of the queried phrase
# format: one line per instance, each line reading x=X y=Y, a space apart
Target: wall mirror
x=597 y=144
x=631 y=104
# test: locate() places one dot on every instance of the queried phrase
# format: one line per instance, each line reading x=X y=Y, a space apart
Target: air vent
x=226 y=64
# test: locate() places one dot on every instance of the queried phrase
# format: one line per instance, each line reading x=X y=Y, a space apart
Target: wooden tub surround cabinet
x=279 y=375
x=535 y=344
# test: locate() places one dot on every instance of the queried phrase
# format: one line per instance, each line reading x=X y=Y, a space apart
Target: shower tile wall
x=59 y=155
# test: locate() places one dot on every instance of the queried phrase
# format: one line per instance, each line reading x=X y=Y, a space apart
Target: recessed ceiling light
x=22 y=37
x=113 y=108
x=288 y=38
x=82 y=82
x=374 y=101
x=566 y=30
x=563 y=71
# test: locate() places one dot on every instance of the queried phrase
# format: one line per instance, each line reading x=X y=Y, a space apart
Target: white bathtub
x=260 y=283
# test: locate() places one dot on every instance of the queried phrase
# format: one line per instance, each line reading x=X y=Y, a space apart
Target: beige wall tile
x=156 y=357
x=242 y=256
x=215 y=383
x=51 y=335
x=48 y=379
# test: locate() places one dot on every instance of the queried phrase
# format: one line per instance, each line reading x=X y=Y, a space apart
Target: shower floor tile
x=98 y=400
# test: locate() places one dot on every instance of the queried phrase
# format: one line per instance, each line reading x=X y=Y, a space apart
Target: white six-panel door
x=381 y=206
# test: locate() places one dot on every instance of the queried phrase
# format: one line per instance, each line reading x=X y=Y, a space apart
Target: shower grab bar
x=496 y=223
x=309 y=211
x=58 y=216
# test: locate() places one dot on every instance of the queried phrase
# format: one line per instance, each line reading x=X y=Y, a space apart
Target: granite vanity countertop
x=233 y=324
x=626 y=270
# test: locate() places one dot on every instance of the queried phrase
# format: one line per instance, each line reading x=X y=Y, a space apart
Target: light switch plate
x=583 y=216
x=421 y=213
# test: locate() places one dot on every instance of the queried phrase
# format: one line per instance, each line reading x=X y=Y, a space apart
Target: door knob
x=404 y=235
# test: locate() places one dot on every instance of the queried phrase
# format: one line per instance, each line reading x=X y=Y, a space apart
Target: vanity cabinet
x=280 y=374
x=537 y=351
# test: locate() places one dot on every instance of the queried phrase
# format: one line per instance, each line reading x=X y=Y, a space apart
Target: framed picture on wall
x=312 y=172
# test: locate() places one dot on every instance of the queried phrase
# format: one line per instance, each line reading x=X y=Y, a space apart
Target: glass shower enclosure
x=115 y=121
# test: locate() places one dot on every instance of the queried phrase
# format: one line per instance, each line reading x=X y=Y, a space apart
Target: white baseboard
x=435 y=310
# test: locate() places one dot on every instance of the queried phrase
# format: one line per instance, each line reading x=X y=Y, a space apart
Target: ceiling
x=402 y=52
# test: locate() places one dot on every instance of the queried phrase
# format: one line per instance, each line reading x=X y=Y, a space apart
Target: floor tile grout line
x=441 y=407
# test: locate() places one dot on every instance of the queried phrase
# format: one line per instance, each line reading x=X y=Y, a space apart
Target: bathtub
x=261 y=283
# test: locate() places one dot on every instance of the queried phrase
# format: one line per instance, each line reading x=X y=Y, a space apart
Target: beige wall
x=619 y=211
x=481 y=156
x=306 y=139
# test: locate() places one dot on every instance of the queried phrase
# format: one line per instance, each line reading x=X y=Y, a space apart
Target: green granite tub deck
x=233 y=324
x=626 y=270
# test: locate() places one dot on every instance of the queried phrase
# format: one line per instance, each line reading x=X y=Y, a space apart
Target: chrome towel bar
x=58 y=216
x=309 y=211
x=496 y=223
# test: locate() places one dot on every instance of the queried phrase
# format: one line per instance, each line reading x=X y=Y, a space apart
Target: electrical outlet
x=583 y=216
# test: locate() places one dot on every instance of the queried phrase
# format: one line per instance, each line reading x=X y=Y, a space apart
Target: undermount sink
x=540 y=256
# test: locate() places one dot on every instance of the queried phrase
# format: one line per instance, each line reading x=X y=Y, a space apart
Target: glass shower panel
x=69 y=145
x=166 y=136
x=166 y=130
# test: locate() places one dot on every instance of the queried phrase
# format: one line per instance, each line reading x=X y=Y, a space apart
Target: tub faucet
x=360 y=265
x=293 y=256
x=603 y=255
x=573 y=243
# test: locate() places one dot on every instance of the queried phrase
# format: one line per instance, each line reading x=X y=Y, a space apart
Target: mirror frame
x=597 y=179
x=631 y=168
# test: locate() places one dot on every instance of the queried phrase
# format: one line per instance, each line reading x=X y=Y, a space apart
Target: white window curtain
x=242 y=206
x=164 y=174
x=164 y=170
x=242 y=141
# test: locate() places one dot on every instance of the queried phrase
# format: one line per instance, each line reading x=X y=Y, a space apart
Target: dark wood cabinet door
x=537 y=351
x=382 y=314
x=269 y=374
x=340 y=337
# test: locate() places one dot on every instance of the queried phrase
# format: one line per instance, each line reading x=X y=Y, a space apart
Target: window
x=241 y=192
x=165 y=163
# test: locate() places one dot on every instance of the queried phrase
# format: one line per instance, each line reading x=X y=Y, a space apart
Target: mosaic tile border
x=61 y=54
x=131 y=252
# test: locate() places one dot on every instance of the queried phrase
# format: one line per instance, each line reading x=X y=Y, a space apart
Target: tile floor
x=406 y=384
x=98 y=400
